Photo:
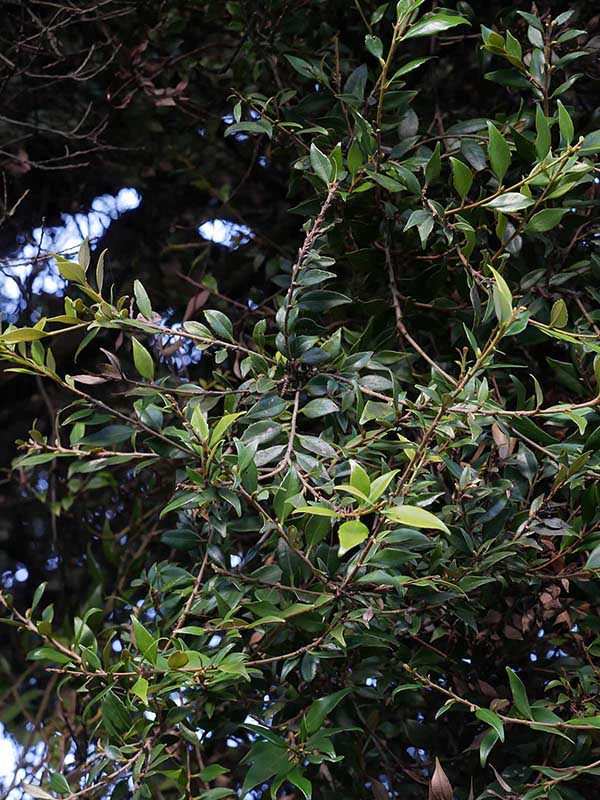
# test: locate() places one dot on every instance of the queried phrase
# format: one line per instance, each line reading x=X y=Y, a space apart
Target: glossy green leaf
x=433 y=24
x=415 y=517
x=351 y=534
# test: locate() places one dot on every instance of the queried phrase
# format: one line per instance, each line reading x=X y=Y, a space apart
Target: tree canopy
x=306 y=443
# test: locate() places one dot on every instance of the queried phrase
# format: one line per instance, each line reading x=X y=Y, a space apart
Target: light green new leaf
x=350 y=534
x=223 y=426
x=199 y=424
x=502 y=298
x=144 y=641
x=415 y=517
x=559 y=316
x=140 y=689
x=70 y=270
x=359 y=478
x=22 y=335
x=178 y=659
x=379 y=485
x=317 y=511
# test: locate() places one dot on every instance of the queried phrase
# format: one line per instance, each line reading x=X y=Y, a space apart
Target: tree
x=341 y=524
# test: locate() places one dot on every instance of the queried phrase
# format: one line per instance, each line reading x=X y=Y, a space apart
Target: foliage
x=362 y=535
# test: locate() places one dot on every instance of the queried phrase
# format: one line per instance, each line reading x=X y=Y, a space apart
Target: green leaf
x=374 y=45
x=355 y=158
x=415 y=517
x=487 y=716
x=317 y=511
x=434 y=165
x=542 y=139
x=595 y=721
x=142 y=360
x=320 y=163
x=199 y=424
x=409 y=67
x=142 y=299
x=211 y=772
x=545 y=220
x=319 y=407
x=217 y=794
x=250 y=126
x=83 y=256
x=70 y=270
x=462 y=177
x=140 y=689
x=502 y=298
x=58 y=783
x=300 y=782
x=509 y=202
x=519 y=693
x=268 y=760
x=112 y=434
x=565 y=123
x=321 y=708
x=351 y=534
x=219 y=324
x=379 y=485
x=49 y=654
x=486 y=745
x=223 y=426
x=593 y=561
x=178 y=660
x=37 y=792
x=434 y=23
x=144 y=641
x=498 y=152
x=22 y=335
x=423 y=221
x=359 y=478
x=37 y=595
x=559 y=316
x=100 y=270
x=115 y=715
